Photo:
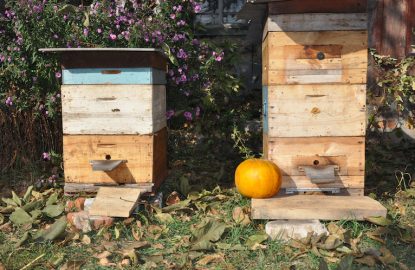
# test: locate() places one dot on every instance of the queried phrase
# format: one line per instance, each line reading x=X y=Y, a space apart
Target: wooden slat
x=113 y=109
x=293 y=57
x=341 y=181
x=316 y=22
x=290 y=153
x=115 y=201
x=317 y=207
x=113 y=76
x=316 y=110
x=78 y=188
x=145 y=155
x=315 y=6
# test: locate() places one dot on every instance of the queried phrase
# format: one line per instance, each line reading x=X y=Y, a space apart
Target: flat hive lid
x=109 y=57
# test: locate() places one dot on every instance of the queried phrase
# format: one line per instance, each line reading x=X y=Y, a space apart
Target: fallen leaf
x=86 y=240
x=173 y=198
x=153 y=258
x=22 y=240
x=52 y=199
x=257 y=246
x=53 y=210
x=240 y=217
x=54 y=231
x=106 y=262
x=1 y=219
x=57 y=259
x=387 y=256
x=212 y=258
x=164 y=217
x=137 y=233
x=6 y=227
x=116 y=233
x=210 y=230
x=125 y=262
x=128 y=221
x=20 y=217
x=72 y=265
x=332 y=242
x=103 y=254
x=9 y=202
x=366 y=260
x=32 y=206
x=28 y=194
x=183 y=205
x=256 y=239
x=381 y=221
x=16 y=199
x=2 y=266
x=158 y=246
x=346 y=263
x=323 y=265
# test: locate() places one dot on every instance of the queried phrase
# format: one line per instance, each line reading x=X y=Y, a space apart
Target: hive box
x=113 y=114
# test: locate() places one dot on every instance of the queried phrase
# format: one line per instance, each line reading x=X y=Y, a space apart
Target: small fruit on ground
x=258 y=178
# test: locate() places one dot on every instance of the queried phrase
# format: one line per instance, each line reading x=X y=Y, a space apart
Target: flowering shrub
x=200 y=84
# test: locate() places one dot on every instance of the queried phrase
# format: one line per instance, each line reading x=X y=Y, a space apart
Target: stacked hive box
x=314 y=77
x=114 y=124
x=314 y=94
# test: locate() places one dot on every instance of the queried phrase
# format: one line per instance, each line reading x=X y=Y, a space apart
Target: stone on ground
x=293 y=229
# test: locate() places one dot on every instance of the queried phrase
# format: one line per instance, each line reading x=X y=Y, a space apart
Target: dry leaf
x=173 y=198
x=86 y=240
x=211 y=258
x=387 y=256
x=2 y=266
x=366 y=260
x=128 y=221
x=103 y=254
x=106 y=262
x=137 y=233
x=125 y=262
x=158 y=246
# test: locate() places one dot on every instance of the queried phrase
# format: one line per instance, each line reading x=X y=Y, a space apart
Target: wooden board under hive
x=146 y=157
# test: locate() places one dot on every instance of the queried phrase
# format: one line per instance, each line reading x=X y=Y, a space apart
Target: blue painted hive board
x=113 y=76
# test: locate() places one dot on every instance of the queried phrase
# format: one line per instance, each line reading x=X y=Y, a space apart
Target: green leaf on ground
x=28 y=194
x=22 y=240
x=381 y=221
x=16 y=199
x=9 y=202
x=32 y=206
x=256 y=239
x=54 y=231
x=52 y=199
x=20 y=217
x=346 y=263
x=53 y=210
x=206 y=233
x=164 y=217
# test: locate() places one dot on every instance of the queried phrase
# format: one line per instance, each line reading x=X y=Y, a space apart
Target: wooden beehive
x=314 y=107
x=113 y=113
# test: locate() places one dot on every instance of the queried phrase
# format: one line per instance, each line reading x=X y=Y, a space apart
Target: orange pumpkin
x=258 y=178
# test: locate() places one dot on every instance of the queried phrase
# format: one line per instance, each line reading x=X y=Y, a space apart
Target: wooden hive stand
x=114 y=123
x=314 y=109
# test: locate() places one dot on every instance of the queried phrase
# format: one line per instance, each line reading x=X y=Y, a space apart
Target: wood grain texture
x=113 y=76
x=72 y=189
x=316 y=22
x=316 y=110
x=115 y=201
x=146 y=157
x=113 y=109
x=290 y=153
x=317 y=207
x=315 y=57
x=315 y=6
x=341 y=181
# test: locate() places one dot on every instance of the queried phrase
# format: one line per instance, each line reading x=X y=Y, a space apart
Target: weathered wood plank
x=115 y=201
x=145 y=155
x=341 y=181
x=113 y=76
x=316 y=110
x=315 y=6
x=315 y=57
x=77 y=188
x=317 y=207
x=113 y=109
x=316 y=22
x=291 y=153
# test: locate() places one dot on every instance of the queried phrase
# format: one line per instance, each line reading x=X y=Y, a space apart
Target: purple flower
x=172 y=16
x=99 y=30
x=197 y=7
x=169 y=114
x=188 y=116
x=171 y=72
x=45 y=156
x=218 y=57
x=9 y=101
x=182 y=54
x=113 y=36
x=2 y=58
x=183 y=78
x=58 y=75
x=181 y=23
x=86 y=32
x=195 y=42
x=197 y=111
